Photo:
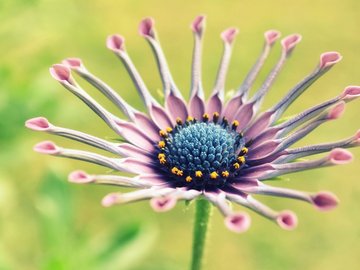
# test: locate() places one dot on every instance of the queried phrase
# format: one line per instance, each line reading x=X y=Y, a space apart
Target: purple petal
x=163 y=204
x=196 y=107
x=325 y=200
x=176 y=107
x=214 y=104
x=46 y=147
x=80 y=177
x=116 y=43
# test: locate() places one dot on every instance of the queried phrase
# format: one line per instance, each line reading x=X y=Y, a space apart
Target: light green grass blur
x=48 y=223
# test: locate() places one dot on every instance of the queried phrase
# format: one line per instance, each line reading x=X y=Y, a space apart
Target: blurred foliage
x=47 y=223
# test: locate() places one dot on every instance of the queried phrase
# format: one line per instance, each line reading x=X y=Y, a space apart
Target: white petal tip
x=38 y=124
x=238 y=222
x=162 y=204
x=61 y=73
x=287 y=220
x=115 y=43
x=340 y=156
x=325 y=201
x=198 y=25
x=46 y=147
x=329 y=59
x=229 y=35
x=80 y=177
x=110 y=200
x=271 y=36
x=146 y=27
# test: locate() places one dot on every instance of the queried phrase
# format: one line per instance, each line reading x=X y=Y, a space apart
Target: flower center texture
x=201 y=154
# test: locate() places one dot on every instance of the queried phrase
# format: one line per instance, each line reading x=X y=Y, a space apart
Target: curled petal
x=46 y=147
x=337 y=111
x=329 y=59
x=350 y=93
x=229 y=34
x=38 y=124
x=109 y=200
x=61 y=73
x=146 y=27
x=324 y=200
x=163 y=204
x=74 y=63
x=115 y=43
x=198 y=24
x=238 y=222
x=340 y=156
x=80 y=177
x=287 y=220
x=271 y=36
x=289 y=42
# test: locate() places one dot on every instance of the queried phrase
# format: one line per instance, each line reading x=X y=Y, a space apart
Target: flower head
x=221 y=151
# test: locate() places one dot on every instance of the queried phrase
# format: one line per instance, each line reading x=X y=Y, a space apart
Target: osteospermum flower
x=221 y=151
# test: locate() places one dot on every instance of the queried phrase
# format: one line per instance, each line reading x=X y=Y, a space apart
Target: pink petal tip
x=73 y=63
x=340 y=156
x=238 y=222
x=229 y=35
x=287 y=220
x=336 y=111
x=61 y=73
x=289 y=42
x=109 y=200
x=271 y=36
x=80 y=177
x=329 y=59
x=46 y=147
x=146 y=27
x=115 y=43
x=38 y=123
x=163 y=204
x=351 y=92
x=198 y=24
x=325 y=200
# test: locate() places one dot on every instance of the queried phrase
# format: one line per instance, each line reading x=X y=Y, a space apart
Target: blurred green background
x=48 y=223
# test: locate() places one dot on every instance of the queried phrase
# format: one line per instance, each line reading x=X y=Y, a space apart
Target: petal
x=238 y=222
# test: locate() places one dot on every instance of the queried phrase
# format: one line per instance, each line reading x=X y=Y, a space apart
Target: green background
x=48 y=223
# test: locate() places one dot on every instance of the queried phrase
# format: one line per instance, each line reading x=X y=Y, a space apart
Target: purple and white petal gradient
x=215 y=149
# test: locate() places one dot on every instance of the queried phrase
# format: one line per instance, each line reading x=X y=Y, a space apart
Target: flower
x=217 y=150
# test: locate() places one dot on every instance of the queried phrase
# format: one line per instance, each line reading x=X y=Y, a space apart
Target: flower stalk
x=203 y=211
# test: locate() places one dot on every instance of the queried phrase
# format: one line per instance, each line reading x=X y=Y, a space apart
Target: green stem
x=203 y=211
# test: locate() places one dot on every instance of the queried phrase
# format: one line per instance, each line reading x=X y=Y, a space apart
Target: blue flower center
x=205 y=147
x=201 y=155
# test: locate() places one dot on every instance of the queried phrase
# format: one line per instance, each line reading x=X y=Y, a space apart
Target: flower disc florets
x=201 y=154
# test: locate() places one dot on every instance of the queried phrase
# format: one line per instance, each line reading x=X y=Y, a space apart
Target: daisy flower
x=219 y=150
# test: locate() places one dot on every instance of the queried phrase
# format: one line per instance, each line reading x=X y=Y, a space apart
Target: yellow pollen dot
x=174 y=170
x=190 y=118
x=198 y=174
x=213 y=175
x=216 y=114
x=225 y=173
x=235 y=123
x=161 y=155
x=162 y=133
x=162 y=160
x=178 y=121
x=206 y=116
x=236 y=165
x=244 y=151
x=241 y=159
x=169 y=129
x=161 y=144
x=188 y=179
x=180 y=173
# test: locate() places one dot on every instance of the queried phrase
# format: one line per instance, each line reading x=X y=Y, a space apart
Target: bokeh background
x=48 y=223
